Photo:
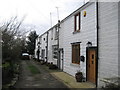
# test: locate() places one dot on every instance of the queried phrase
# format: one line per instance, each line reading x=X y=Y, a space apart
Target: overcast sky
x=37 y=12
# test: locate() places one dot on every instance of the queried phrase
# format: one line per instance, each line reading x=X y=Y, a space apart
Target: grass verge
x=33 y=69
x=6 y=64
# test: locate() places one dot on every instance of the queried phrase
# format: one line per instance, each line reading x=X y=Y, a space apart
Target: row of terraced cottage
x=86 y=40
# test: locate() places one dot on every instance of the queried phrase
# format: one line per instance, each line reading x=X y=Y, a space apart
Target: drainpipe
x=58 y=61
x=47 y=49
x=97 y=22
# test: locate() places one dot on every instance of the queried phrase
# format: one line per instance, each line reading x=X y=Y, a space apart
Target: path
x=42 y=80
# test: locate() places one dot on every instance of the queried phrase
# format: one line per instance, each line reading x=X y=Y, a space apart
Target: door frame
x=87 y=49
x=43 y=54
x=61 y=51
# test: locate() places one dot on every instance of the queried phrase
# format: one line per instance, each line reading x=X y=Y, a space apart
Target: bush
x=48 y=64
x=8 y=72
x=111 y=85
x=52 y=66
x=42 y=62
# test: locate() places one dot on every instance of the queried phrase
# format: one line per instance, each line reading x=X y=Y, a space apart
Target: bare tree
x=13 y=41
x=12 y=37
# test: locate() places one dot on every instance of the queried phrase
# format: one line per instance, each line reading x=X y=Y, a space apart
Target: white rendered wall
x=87 y=33
x=108 y=41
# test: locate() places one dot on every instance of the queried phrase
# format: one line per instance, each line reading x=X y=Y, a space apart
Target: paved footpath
x=42 y=80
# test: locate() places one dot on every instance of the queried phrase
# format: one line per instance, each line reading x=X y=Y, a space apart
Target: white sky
x=37 y=12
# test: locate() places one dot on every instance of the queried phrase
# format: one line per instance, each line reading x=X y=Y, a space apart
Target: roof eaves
x=83 y=6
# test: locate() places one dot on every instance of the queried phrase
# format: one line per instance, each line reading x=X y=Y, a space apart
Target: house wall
x=108 y=41
x=40 y=41
x=50 y=58
x=54 y=41
x=87 y=33
x=51 y=41
x=119 y=37
x=43 y=44
x=61 y=44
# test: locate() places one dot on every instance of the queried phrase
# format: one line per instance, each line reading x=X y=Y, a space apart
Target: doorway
x=43 y=54
x=61 y=58
x=91 y=65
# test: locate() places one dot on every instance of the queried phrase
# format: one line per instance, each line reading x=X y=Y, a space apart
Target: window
x=52 y=34
x=56 y=33
x=76 y=53
x=43 y=54
x=77 y=23
x=54 y=51
x=92 y=56
x=44 y=39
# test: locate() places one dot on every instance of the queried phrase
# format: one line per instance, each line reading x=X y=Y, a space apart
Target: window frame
x=56 y=33
x=55 y=51
x=77 y=22
x=44 y=39
x=76 y=53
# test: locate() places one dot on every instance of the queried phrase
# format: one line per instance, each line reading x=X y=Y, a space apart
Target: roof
x=82 y=7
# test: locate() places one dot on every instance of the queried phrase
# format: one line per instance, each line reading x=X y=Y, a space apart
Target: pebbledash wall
x=108 y=40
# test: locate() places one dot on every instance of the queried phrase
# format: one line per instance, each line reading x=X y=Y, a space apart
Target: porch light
x=89 y=44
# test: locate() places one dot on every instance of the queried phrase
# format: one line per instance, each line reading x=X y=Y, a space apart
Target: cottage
x=78 y=30
x=41 y=46
x=53 y=45
x=86 y=40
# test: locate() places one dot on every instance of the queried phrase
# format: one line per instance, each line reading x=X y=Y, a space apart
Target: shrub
x=111 y=86
x=52 y=66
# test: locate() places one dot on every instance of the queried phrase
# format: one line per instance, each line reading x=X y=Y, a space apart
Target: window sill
x=74 y=64
x=78 y=31
x=56 y=38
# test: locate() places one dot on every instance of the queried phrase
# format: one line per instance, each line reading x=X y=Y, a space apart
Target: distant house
x=53 y=45
x=43 y=49
x=48 y=45
x=86 y=40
